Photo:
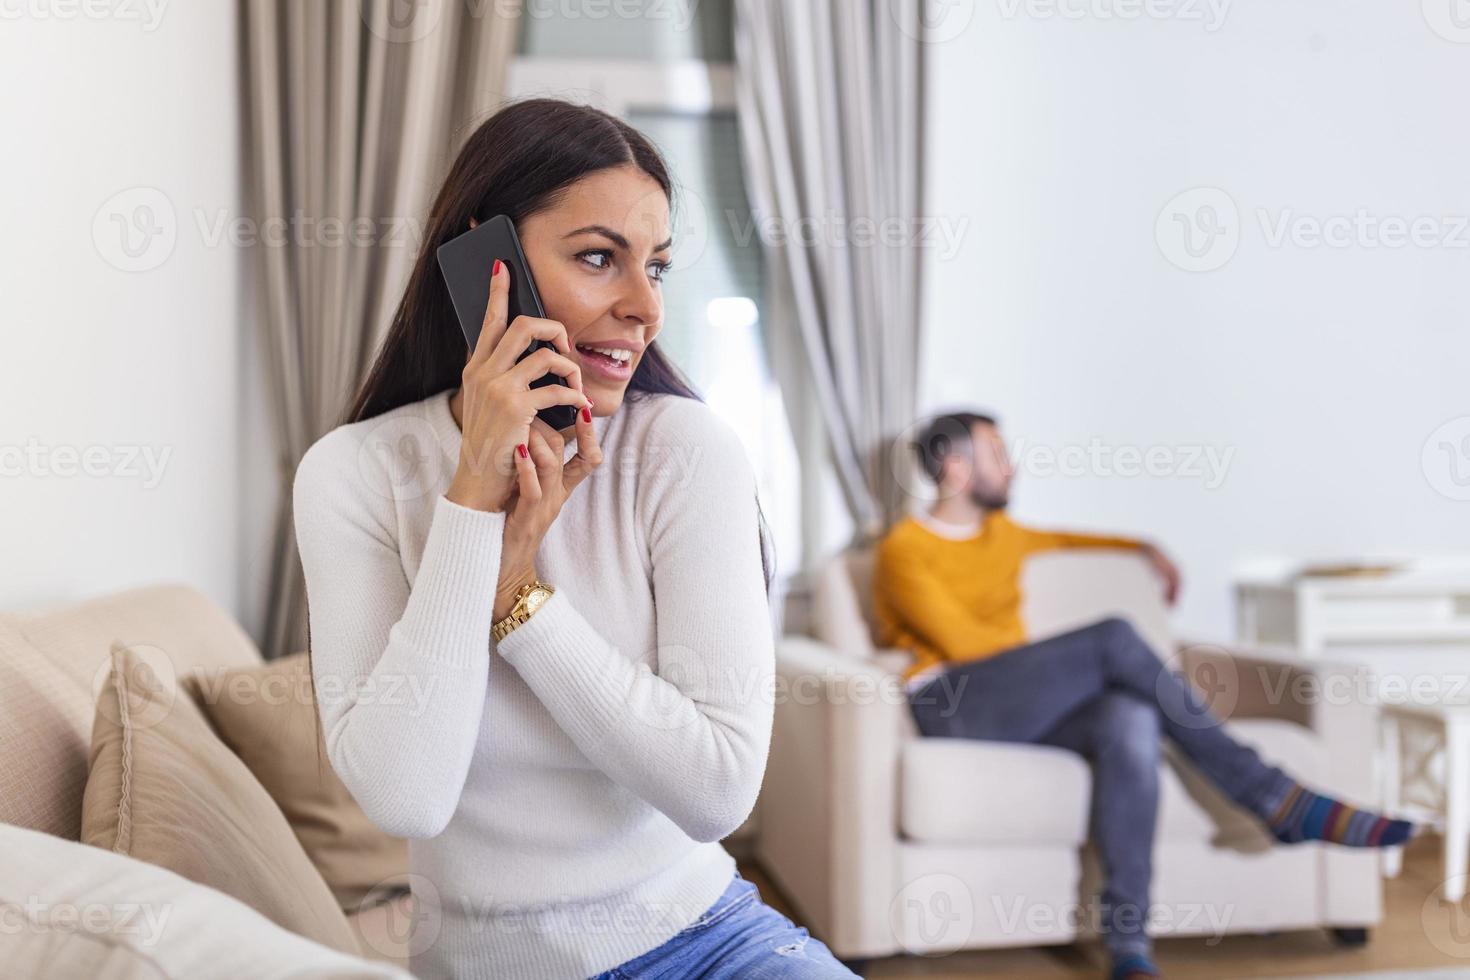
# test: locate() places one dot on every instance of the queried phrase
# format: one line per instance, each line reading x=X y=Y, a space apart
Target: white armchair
x=889 y=842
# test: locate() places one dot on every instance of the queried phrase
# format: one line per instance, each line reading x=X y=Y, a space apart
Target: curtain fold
x=830 y=97
x=353 y=111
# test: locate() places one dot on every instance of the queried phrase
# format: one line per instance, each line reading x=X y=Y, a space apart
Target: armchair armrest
x=892 y=659
x=1335 y=700
x=829 y=804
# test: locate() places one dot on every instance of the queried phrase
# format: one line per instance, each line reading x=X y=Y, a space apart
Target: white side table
x=1412 y=607
x=1417 y=739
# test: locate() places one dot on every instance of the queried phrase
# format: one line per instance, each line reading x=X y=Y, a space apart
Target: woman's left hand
x=543 y=484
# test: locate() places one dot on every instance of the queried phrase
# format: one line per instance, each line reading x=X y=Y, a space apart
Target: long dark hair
x=517 y=163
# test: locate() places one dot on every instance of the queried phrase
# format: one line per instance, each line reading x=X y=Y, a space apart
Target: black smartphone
x=466 y=262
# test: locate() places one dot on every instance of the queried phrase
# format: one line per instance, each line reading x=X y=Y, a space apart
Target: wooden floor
x=1416 y=925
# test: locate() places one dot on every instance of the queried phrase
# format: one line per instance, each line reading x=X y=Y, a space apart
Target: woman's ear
x=473 y=223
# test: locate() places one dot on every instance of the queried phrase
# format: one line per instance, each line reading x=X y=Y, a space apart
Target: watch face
x=536 y=599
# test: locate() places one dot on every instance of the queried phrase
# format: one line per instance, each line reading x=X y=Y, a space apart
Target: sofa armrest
x=892 y=659
x=1335 y=700
x=829 y=804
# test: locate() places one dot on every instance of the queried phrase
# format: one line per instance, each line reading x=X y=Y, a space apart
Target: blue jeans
x=1102 y=692
x=737 y=937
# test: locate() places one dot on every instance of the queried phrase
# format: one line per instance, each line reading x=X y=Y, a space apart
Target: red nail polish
x=586 y=413
x=496 y=270
x=521 y=448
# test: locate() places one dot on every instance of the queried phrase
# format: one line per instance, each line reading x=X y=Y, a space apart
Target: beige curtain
x=353 y=110
x=830 y=96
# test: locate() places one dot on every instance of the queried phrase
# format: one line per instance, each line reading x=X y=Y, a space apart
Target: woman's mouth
x=610 y=363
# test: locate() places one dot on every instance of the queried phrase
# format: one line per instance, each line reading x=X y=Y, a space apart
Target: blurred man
x=947 y=587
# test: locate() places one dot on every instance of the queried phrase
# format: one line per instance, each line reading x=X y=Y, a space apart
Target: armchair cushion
x=1064 y=590
x=1061 y=590
x=958 y=790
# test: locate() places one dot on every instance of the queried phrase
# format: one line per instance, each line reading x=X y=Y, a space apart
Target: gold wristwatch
x=529 y=598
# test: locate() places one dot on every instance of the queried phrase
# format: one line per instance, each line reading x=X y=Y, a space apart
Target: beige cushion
x=177 y=619
x=72 y=910
x=267 y=716
x=45 y=721
x=1063 y=590
x=51 y=663
x=163 y=788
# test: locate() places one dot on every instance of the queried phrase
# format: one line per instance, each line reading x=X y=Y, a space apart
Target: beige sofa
x=51 y=664
x=887 y=842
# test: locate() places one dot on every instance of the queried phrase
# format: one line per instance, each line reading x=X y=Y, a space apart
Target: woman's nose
x=641 y=302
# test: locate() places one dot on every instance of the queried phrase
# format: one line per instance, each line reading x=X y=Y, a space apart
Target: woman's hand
x=498 y=404
x=544 y=484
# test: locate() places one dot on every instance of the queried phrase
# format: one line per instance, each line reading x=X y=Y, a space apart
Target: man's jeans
x=1102 y=692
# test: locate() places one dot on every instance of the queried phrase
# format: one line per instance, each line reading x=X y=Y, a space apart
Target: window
x=714 y=294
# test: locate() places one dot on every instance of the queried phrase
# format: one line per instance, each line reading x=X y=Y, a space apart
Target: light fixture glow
x=732 y=312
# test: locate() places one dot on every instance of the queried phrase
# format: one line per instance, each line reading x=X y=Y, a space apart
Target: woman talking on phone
x=545 y=656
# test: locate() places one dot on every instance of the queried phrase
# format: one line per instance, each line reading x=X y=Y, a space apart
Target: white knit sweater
x=565 y=791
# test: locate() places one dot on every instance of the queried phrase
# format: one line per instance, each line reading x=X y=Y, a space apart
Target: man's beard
x=990 y=499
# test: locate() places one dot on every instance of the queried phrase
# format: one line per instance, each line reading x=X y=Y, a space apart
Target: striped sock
x=1304 y=815
x=1133 y=966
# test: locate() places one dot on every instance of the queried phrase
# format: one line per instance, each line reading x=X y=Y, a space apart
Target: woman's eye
x=601 y=258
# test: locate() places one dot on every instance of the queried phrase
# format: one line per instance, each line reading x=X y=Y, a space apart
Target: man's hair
x=938 y=438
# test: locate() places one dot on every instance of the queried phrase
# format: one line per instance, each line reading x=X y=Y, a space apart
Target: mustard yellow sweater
x=947 y=599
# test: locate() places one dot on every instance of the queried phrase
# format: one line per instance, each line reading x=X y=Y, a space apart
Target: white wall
x=1323 y=369
x=97 y=360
